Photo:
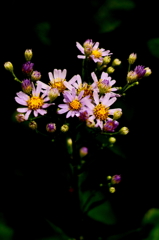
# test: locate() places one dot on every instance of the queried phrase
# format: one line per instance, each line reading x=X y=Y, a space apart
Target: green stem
x=15 y=78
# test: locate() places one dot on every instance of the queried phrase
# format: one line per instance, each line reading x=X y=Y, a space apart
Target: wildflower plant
x=81 y=112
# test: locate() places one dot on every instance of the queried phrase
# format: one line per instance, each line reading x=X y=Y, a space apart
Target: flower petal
x=21 y=101
x=22 y=110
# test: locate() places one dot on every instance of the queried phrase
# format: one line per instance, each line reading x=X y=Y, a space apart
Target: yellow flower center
x=96 y=53
x=87 y=90
x=101 y=112
x=58 y=83
x=35 y=103
x=75 y=104
x=103 y=88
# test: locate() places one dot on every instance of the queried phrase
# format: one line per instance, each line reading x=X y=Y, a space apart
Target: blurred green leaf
x=58 y=233
x=105 y=16
x=6 y=233
x=103 y=213
x=153 y=45
x=42 y=30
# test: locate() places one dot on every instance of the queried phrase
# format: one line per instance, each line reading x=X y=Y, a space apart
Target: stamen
x=101 y=112
x=75 y=104
x=35 y=103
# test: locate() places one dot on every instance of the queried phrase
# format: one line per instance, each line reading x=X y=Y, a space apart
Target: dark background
x=28 y=189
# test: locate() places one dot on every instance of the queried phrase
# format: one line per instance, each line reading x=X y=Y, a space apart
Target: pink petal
x=79 y=46
x=23 y=95
x=20 y=101
x=27 y=114
x=22 y=110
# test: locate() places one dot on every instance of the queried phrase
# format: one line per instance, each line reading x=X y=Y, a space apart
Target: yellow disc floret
x=75 y=104
x=35 y=102
x=96 y=53
x=58 y=83
x=101 y=112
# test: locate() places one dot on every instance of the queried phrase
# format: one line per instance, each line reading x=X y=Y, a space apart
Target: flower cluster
x=89 y=100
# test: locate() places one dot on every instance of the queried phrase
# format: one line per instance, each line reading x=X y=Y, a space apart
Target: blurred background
x=30 y=187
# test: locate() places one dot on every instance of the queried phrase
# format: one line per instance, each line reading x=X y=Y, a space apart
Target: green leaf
x=103 y=213
x=153 y=45
x=58 y=233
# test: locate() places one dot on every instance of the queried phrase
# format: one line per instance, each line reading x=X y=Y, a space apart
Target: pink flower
x=99 y=110
x=35 y=102
x=73 y=104
x=92 y=50
x=104 y=84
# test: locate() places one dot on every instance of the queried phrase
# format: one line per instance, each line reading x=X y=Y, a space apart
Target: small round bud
x=116 y=179
x=110 y=70
x=112 y=189
x=132 y=58
x=20 y=117
x=124 y=131
x=116 y=62
x=112 y=140
x=53 y=93
x=90 y=123
x=27 y=86
x=83 y=151
x=51 y=127
x=35 y=76
x=33 y=125
x=117 y=114
x=28 y=54
x=148 y=72
x=101 y=185
x=8 y=66
x=109 y=177
x=106 y=60
x=132 y=77
x=64 y=128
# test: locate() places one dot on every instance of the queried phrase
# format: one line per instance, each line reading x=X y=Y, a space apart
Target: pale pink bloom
x=99 y=110
x=34 y=103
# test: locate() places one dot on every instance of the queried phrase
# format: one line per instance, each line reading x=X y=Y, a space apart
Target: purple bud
x=26 y=86
x=51 y=127
x=27 y=67
x=116 y=179
x=110 y=126
x=140 y=71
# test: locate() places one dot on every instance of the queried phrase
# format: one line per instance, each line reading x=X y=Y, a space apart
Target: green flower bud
x=124 y=131
x=110 y=70
x=132 y=58
x=8 y=66
x=28 y=54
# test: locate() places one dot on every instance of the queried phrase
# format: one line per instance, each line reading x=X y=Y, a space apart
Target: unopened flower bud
x=51 y=127
x=124 y=131
x=8 y=66
x=112 y=140
x=53 y=94
x=112 y=189
x=110 y=70
x=106 y=60
x=33 y=125
x=90 y=123
x=64 y=128
x=27 y=86
x=83 y=151
x=69 y=145
x=116 y=179
x=109 y=177
x=148 y=72
x=132 y=77
x=28 y=54
x=27 y=67
x=116 y=62
x=117 y=114
x=132 y=58
x=20 y=117
x=35 y=76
